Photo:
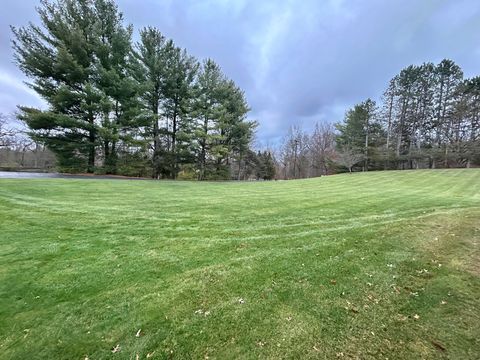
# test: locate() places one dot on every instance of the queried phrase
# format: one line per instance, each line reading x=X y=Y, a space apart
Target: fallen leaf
x=443 y=302
x=333 y=282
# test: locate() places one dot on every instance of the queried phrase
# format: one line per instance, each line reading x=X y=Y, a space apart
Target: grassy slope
x=326 y=267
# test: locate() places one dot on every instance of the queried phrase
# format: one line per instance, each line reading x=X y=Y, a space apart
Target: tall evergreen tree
x=151 y=55
x=178 y=91
x=59 y=58
x=234 y=131
x=388 y=113
x=207 y=109
x=361 y=131
x=449 y=76
x=466 y=123
x=79 y=62
x=222 y=130
x=114 y=76
x=269 y=166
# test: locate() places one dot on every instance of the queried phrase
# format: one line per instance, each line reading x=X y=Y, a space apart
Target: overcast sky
x=297 y=61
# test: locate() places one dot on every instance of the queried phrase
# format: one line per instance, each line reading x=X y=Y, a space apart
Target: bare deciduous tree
x=6 y=132
x=294 y=153
x=349 y=158
x=18 y=150
x=322 y=148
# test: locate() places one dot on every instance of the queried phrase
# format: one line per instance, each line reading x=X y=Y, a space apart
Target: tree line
x=148 y=108
x=122 y=107
x=428 y=117
x=18 y=151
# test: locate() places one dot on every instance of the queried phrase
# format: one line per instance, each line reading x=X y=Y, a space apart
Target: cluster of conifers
x=118 y=106
x=428 y=117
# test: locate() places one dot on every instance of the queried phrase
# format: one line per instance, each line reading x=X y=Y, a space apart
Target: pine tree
x=250 y=164
x=260 y=168
x=207 y=110
x=235 y=133
x=151 y=56
x=114 y=77
x=59 y=58
x=360 y=131
x=79 y=61
x=449 y=76
x=467 y=130
x=179 y=74
x=269 y=166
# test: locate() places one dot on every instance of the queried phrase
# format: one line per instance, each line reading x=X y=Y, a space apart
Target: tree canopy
x=147 y=108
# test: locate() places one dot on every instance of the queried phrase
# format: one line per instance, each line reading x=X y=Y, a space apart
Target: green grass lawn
x=371 y=265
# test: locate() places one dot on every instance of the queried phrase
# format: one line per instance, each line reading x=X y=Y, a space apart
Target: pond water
x=37 y=175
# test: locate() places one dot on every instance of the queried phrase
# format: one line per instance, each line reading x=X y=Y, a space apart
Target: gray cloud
x=298 y=62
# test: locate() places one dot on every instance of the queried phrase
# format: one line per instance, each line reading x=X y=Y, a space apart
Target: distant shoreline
x=26 y=174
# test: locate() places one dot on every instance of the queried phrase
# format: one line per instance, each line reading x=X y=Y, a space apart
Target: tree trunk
x=239 y=165
x=91 y=151
x=174 y=142
x=390 y=110
x=365 y=162
x=156 y=141
x=445 y=163
x=203 y=152
x=106 y=153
